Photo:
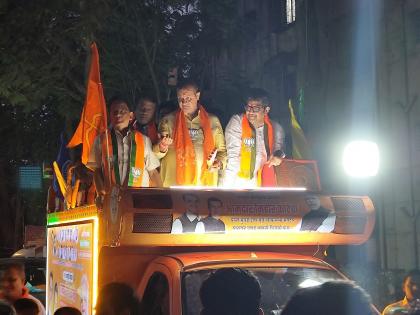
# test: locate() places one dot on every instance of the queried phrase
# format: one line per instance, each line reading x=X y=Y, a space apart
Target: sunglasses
x=253 y=109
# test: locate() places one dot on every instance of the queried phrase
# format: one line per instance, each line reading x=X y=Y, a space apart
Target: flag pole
x=106 y=138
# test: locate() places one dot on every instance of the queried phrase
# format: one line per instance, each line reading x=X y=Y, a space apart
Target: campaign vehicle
x=165 y=243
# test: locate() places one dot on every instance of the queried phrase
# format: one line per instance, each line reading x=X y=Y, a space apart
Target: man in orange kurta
x=191 y=146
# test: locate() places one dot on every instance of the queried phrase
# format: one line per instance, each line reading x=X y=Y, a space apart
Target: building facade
x=355 y=64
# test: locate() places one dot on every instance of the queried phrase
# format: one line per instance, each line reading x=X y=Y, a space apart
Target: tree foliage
x=44 y=50
x=40 y=54
x=146 y=39
x=44 y=59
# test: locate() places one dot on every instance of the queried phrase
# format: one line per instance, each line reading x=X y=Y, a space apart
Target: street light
x=361 y=159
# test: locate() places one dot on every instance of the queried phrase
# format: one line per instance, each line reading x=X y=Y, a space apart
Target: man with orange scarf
x=122 y=157
x=191 y=146
x=145 y=118
x=254 y=144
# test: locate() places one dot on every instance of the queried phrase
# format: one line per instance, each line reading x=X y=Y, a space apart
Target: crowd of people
x=227 y=291
x=186 y=145
x=181 y=144
x=231 y=291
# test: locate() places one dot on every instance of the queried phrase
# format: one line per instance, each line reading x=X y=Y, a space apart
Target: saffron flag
x=93 y=120
x=300 y=147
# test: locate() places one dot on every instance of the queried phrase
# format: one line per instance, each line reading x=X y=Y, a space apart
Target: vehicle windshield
x=277 y=285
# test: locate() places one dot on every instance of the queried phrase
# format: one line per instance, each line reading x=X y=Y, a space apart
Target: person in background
x=26 y=306
x=13 y=286
x=253 y=141
x=414 y=308
x=191 y=146
x=411 y=289
x=6 y=308
x=230 y=291
x=156 y=296
x=117 y=299
x=166 y=108
x=145 y=118
x=67 y=310
x=131 y=160
x=330 y=298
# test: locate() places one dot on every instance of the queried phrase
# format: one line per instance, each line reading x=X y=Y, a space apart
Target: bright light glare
x=239 y=189
x=95 y=263
x=361 y=159
x=308 y=283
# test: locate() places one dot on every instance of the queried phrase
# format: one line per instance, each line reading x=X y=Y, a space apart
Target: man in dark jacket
x=212 y=223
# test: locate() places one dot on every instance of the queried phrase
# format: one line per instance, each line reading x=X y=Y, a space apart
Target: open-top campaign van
x=165 y=243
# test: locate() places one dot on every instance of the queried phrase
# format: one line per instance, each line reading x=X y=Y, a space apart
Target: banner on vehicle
x=70 y=267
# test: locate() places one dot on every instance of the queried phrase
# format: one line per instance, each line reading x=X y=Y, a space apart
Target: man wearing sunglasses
x=254 y=144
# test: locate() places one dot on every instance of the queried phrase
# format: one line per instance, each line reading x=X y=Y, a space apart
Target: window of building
x=282 y=14
x=290 y=11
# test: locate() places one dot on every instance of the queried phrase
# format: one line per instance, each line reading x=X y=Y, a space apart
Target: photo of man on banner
x=318 y=218
x=213 y=223
x=190 y=221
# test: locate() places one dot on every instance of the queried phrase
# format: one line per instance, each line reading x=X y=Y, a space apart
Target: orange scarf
x=248 y=147
x=25 y=293
x=136 y=160
x=185 y=154
x=152 y=132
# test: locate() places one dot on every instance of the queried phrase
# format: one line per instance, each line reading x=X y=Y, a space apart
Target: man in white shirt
x=190 y=221
x=130 y=161
x=252 y=141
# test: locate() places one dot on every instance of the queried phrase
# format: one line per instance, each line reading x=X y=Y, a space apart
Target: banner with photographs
x=196 y=216
x=70 y=267
x=210 y=212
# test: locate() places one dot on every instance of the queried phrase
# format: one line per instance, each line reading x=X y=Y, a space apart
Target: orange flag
x=93 y=120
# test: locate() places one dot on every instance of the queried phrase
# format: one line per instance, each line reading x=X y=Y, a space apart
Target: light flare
x=361 y=159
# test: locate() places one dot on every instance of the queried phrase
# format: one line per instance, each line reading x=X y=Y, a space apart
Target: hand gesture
x=164 y=142
x=274 y=161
